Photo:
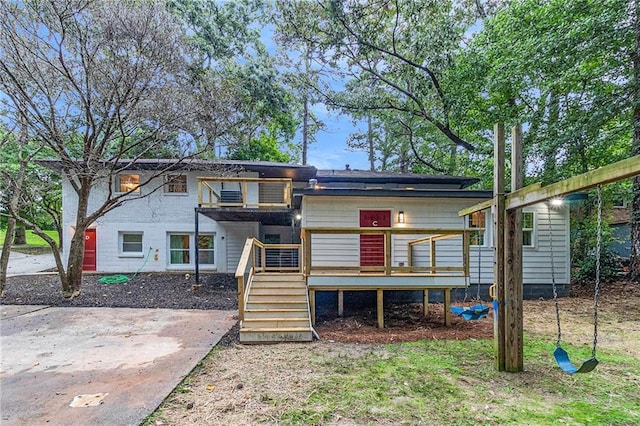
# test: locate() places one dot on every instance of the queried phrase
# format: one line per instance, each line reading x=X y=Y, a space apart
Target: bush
x=584 y=268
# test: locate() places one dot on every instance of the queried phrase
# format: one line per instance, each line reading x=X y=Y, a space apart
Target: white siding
x=237 y=234
x=155 y=216
x=343 y=250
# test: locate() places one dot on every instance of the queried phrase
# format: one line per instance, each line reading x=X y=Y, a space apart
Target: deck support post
x=447 y=305
x=340 y=303
x=425 y=302
x=312 y=306
x=380 y=308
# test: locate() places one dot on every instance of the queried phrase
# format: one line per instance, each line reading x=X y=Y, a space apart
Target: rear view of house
x=290 y=232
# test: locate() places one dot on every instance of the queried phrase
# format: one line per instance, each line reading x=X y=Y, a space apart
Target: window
x=175 y=184
x=477 y=222
x=206 y=254
x=527 y=229
x=179 y=249
x=128 y=183
x=131 y=243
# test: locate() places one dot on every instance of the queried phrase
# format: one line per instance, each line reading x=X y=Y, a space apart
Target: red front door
x=372 y=245
x=90 y=253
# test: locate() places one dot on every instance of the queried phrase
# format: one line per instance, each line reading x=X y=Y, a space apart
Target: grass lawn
x=35 y=244
x=435 y=382
x=454 y=382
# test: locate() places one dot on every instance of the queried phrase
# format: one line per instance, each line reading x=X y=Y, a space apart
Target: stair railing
x=258 y=257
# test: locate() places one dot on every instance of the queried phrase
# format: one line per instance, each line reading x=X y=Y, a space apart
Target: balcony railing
x=244 y=192
x=396 y=251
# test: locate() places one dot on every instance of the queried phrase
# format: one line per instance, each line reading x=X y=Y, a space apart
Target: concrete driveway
x=98 y=366
x=22 y=264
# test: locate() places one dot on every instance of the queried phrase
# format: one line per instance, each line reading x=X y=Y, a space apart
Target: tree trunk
x=72 y=282
x=635 y=202
x=20 y=237
x=6 y=251
x=305 y=106
x=14 y=202
x=305 y=127
x=372 y=156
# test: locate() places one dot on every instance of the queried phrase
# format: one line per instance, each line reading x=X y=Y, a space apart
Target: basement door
x=372 y=245
x=90 y=252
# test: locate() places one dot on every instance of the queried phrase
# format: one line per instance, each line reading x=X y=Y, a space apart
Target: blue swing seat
x=475 y=312
x=562 y=358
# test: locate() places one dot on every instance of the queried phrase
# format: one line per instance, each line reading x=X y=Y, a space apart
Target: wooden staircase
x=276 y=310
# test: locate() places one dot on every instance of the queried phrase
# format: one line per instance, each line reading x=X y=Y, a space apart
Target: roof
x=337 y=177
x=351 y=180
x=265 y=169
x=620 y=215
x=408 y=193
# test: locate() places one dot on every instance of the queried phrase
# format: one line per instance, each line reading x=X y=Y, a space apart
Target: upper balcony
x=265 y=200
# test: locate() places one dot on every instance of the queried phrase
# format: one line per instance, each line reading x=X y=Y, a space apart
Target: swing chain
x=479 y=264
x=553 y=277
x=597 y=282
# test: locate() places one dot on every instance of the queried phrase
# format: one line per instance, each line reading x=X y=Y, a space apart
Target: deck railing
x=258 y=257
x=244 y=192
x=403 y=251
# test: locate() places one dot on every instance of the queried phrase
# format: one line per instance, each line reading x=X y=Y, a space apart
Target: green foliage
x=263 y=148
x=584 y=268
x=33 y=240
x=559 y=66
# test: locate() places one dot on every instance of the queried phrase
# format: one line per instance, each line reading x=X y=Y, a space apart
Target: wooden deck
x=412 y=261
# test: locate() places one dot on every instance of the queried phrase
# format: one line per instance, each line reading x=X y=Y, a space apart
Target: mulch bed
x=171 y=291
x=403 y=322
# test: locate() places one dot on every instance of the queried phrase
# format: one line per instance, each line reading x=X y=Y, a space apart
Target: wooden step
x=271 y=335
x=278 y=284
x=276 y=297
x=278 y=277
x=284 y=291
x=276 y=313
x=278 y=323
x=277 y=310
x=289 y=304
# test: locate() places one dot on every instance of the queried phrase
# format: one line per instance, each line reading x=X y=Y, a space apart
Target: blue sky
x=330 y=149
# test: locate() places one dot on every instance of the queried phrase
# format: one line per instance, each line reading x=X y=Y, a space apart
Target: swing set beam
x=536 y=193
x=507 y=221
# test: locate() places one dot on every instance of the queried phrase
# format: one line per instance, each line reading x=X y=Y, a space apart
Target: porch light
x=401 y=217
x=556 y=202
x=298 y=216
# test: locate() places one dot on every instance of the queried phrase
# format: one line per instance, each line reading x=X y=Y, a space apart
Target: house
x=621 y=230
x=291 y=233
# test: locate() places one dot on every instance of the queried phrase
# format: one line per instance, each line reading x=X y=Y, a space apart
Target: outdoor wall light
x=556 y=202
x=401 y=217
x=298 y=216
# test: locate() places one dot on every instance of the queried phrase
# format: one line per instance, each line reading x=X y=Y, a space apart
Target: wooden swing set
x=507 y=236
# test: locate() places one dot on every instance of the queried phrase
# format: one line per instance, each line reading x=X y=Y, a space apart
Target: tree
x=570 y=70
x=403 y=47
x=101 y=84
x=635 y=202
x=30 y=195
x=304 y=62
